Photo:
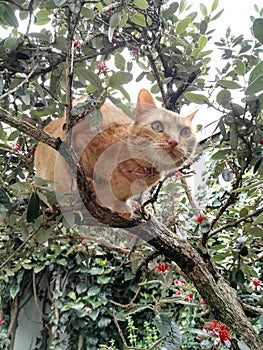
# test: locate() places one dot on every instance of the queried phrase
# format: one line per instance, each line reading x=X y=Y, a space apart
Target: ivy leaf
x=14 y=289
x=196 y=98
x=163 y=324
x=33 y=207
x=257 y=29
x=174 y=340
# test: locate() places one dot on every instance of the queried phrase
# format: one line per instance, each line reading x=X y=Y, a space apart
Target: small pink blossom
x=102 y=66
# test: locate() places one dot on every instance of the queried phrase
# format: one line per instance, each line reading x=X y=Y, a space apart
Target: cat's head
x=160 y=137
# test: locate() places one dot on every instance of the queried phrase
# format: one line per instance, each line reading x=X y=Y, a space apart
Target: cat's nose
x=172 y=143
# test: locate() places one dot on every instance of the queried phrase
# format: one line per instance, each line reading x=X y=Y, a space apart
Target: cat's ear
x=190 y=117
x=145 y=103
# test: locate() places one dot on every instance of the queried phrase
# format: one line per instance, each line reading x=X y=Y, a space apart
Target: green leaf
x=170 y=11
x=228 y=84
x=141 y=4
x=240 y=67
x=196 y=98
x=239 y=277
x=182 y=25
x=10 y=17
x=5 y=200
x=220 y=154
x=223 y=98
x=203 y=9
x=115 y=20
x=43 y=17
x=202 y=41
x=33 y=207
x=256 y=72
x=81 y=288
x=163 y=324
x=138 y=19
x=203 y=27
x=119 y=61
x=257 y=29
x=86 y=12
x=11 y=43
x=255 y=86
x=214 y=5
x=14 y=289
x=42 y=235
x=174 y=340
x=259 y=219
x=86 y=74
x=94 y=290
x=120 y=78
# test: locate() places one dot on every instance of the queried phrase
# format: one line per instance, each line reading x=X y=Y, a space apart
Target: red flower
x=255 y=284
x=202 y=302
x=162 y=267
x=102 y=66
x=178 y=292
x=199 y=218
x=221 y=331
x=189 y=297
x=260 y=141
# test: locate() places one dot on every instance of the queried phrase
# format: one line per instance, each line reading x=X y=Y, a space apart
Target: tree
x=41 y=71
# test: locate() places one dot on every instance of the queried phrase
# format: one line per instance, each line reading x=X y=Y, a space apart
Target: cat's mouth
x=139 y=170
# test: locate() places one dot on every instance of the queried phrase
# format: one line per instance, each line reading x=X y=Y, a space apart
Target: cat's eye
x=185 y=132
x=157 y=126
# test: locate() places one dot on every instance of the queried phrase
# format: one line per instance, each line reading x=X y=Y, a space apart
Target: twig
x=29 y=129
x=19 y=86
x=119 y=329
x=191 y=200
x=234 y=223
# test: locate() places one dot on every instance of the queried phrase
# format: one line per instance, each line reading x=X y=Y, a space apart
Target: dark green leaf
x=10 y=17
x=86 y=74
x=119 y=61
x=220 y=154
x=169 y=13
x=42 y=235
x=174 y=340
x=223 y=98
x=11 y=43
x=163 y=324
x=33 y=207
x=240 y=67
x=81 y=288
x=5 y=200
x=239 y=277
x=259 y=219
x=94 y=290
x=257 y=29
x=233 y=137
x=14 y=289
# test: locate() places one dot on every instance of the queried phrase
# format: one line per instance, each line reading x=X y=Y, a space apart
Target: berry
x=199 y=218
x=76 y=43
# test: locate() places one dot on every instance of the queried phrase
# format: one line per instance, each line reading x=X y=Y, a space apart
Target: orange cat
x=126 y=157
